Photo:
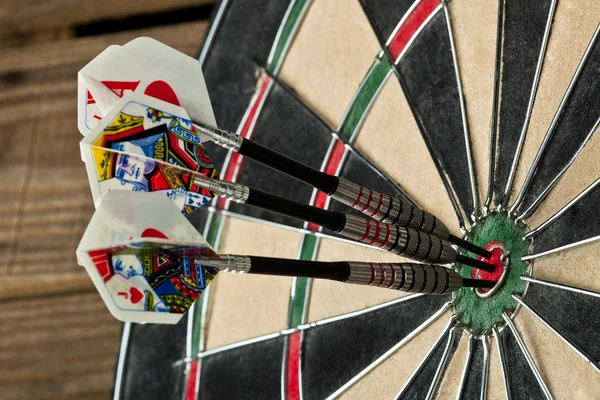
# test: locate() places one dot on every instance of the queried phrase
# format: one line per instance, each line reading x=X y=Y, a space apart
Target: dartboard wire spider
x=431 y=9
x=555 y=330
x=392 y=350
x=315 y=324
x=528 y=357
x=485 y=365
x=551 y=129
x=311 y=325
x=466 y=366
x=532 y=96
x=449 y=332
x=503 y=363
x=563 y=210
x=443 y=365
x=542 y=196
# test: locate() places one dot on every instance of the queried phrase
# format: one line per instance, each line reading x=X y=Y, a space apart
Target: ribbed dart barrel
x=394 y=211
x=406 y=242
x=406 y=277
x=410 y=243
x=387 y=209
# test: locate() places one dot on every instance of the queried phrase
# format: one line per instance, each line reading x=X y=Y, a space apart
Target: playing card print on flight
x=139 y=251
x=144 y=144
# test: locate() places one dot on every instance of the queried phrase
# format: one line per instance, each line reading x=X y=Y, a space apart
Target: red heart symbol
x=136 y=295
x=162 y=91
x=153 y=233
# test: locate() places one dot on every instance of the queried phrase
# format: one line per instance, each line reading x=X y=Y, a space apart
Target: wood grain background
x=57 y=340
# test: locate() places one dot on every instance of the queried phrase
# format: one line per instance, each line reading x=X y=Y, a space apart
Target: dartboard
x=481 y=112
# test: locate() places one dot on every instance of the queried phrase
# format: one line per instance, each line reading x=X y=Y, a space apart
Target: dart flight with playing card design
x=137 y=250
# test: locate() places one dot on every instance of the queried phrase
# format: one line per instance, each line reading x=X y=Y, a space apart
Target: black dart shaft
x=470 y=247
x=475 y=263
x=378 y=206
x=328 y=219
x=408 y=277
x=478 y=283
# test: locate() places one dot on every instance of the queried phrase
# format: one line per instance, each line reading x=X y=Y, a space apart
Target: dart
x=406 y=277
x=133 y=148
x=107 y=78
x=149 y=264
x=379 y=206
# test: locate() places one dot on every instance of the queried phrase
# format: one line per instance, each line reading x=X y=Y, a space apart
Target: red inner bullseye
x=497 y=251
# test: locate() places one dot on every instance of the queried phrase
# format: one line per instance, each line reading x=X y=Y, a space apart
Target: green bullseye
x=480 y=314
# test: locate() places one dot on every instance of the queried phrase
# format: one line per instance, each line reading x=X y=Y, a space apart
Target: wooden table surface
x=57 y=340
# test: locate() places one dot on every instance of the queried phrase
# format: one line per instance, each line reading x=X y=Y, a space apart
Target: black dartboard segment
x=579 y=222
x=386 y=14
x=472 y=388
x=288 y=127
x=355 y=167
x=421 y=385
x=523 y=31
x=242 y=40
x=242 y=37
x=151 y=352
x=344 y=348
x=522 y=381
x=572 y=314
x=428 y=70
x=257 y=372
x=199 y=218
